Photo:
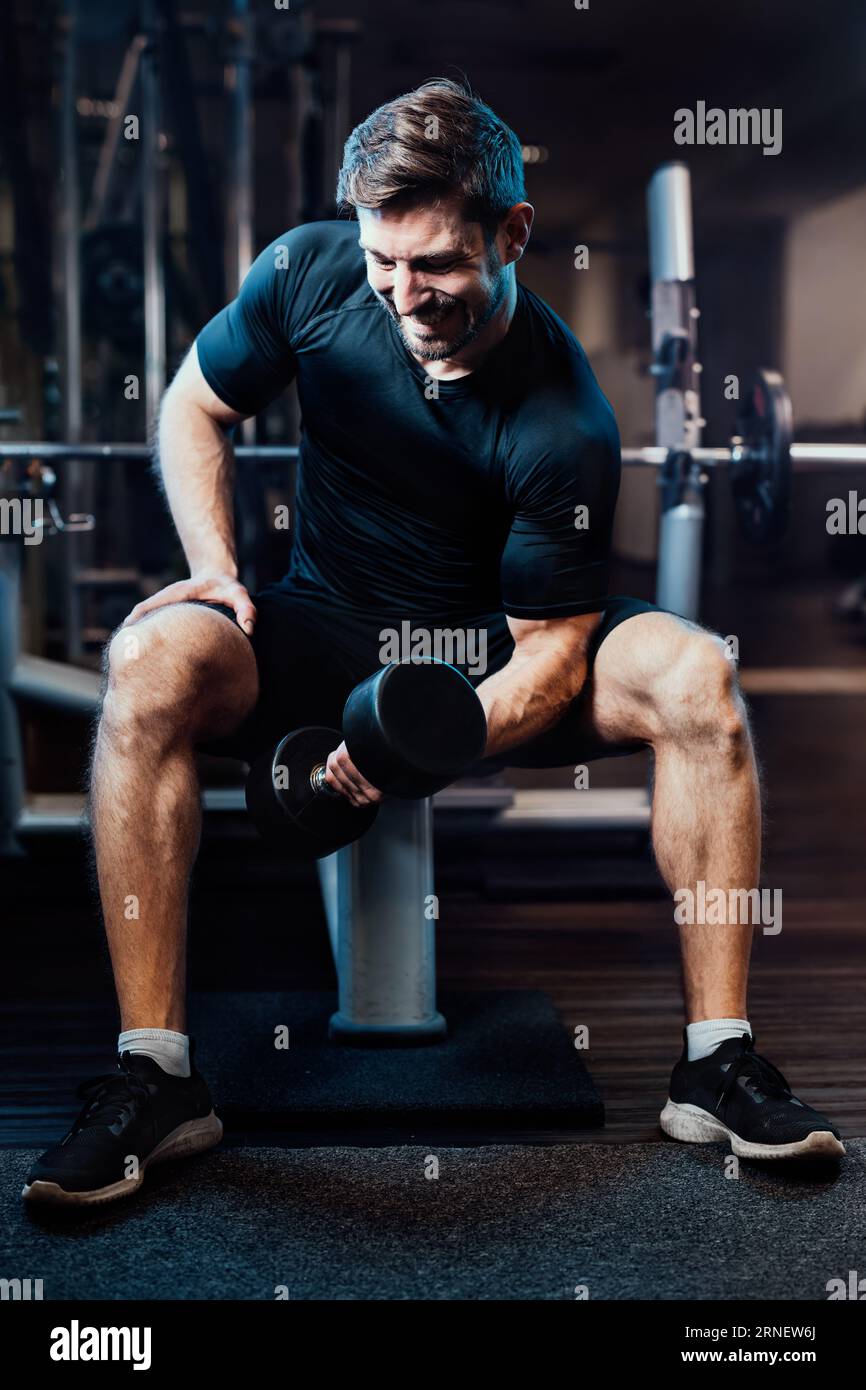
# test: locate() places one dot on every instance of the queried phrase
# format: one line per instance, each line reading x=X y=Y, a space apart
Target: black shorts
x=311 y=654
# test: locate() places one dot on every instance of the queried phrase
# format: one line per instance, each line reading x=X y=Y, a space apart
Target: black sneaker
x=139 y=1111
x=736 y=1094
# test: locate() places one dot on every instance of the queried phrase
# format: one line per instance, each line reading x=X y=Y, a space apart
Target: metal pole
x=678 y=581
x=669 y=208
x=655 y=456
x=153 y=219
x=379 y=903
x=239 y=80
x=677 y=413
x=71 y=225
x=334 y=38
x=342 y=94
x=70 y=221
x=806 y=458
x=814 y=458
x=100 y=197
x=128 y=453
x=11 y=753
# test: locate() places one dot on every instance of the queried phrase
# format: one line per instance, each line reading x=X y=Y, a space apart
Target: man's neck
x=475 y=353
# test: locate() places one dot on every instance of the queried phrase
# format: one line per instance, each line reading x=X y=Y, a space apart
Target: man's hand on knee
x=207 y=586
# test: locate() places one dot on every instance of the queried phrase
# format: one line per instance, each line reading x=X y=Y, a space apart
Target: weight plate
x=286 y=810
x=761 y=479
x=414 y=727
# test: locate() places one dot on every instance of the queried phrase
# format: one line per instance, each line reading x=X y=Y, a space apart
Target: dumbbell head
x=287 y=809
x=413 y=727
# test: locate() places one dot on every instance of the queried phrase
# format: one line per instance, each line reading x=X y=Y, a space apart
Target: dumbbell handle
x=318 y=783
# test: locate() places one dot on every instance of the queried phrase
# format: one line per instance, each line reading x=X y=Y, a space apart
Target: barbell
x=761 y=457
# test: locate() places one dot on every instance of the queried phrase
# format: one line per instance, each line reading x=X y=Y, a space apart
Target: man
x=459 y=469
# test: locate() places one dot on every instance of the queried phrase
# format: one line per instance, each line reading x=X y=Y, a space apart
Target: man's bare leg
x=665 y=681
x=179 y=675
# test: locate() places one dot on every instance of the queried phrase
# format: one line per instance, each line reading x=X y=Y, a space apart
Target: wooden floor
x=594 y=930
x=614 y=968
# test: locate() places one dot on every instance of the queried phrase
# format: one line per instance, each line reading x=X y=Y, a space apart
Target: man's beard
x=474 y=320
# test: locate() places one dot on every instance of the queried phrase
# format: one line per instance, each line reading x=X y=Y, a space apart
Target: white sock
x=169 y=1050
x=703 y=1038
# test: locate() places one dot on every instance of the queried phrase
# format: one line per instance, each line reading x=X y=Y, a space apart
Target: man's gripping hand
x=343 y=776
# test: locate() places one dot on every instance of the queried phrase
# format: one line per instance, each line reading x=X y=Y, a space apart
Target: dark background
x=592 y=94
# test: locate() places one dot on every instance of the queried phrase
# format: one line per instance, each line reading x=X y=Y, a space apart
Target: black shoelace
x=769 y=1077
x=108 y=1097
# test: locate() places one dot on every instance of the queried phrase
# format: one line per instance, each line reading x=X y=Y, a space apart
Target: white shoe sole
x=692 y=1125
x=192 y=1137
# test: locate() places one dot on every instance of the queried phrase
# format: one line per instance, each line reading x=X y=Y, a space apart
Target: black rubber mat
x=507 y=1059
x=636 y=1221
x=506 y=1065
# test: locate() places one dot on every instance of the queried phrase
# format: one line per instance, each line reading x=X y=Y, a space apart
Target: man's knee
x=697 y=693
x=158 y=670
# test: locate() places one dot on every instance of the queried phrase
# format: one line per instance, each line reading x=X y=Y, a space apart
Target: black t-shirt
x=447 y=499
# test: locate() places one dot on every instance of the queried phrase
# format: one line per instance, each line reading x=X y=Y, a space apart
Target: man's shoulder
x=329 y=249
x=334 y=238
x=309 y=270
x=550 y=336
x=558 y=376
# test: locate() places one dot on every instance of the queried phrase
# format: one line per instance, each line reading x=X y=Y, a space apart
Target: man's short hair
x=434 y=142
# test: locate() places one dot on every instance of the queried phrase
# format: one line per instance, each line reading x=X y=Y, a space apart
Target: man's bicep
x=552 y=567
x=555 y=558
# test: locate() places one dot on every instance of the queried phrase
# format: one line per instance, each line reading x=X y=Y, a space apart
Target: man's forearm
x=196 y=464
x=529 y=695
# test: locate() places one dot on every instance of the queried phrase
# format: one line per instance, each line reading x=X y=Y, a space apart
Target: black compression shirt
x=447 y=499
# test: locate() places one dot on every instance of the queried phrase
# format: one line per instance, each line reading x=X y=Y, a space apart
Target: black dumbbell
x=410 y=729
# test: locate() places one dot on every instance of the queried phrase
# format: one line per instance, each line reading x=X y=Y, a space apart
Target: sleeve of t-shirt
x=245 y=351
x=564 y=481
